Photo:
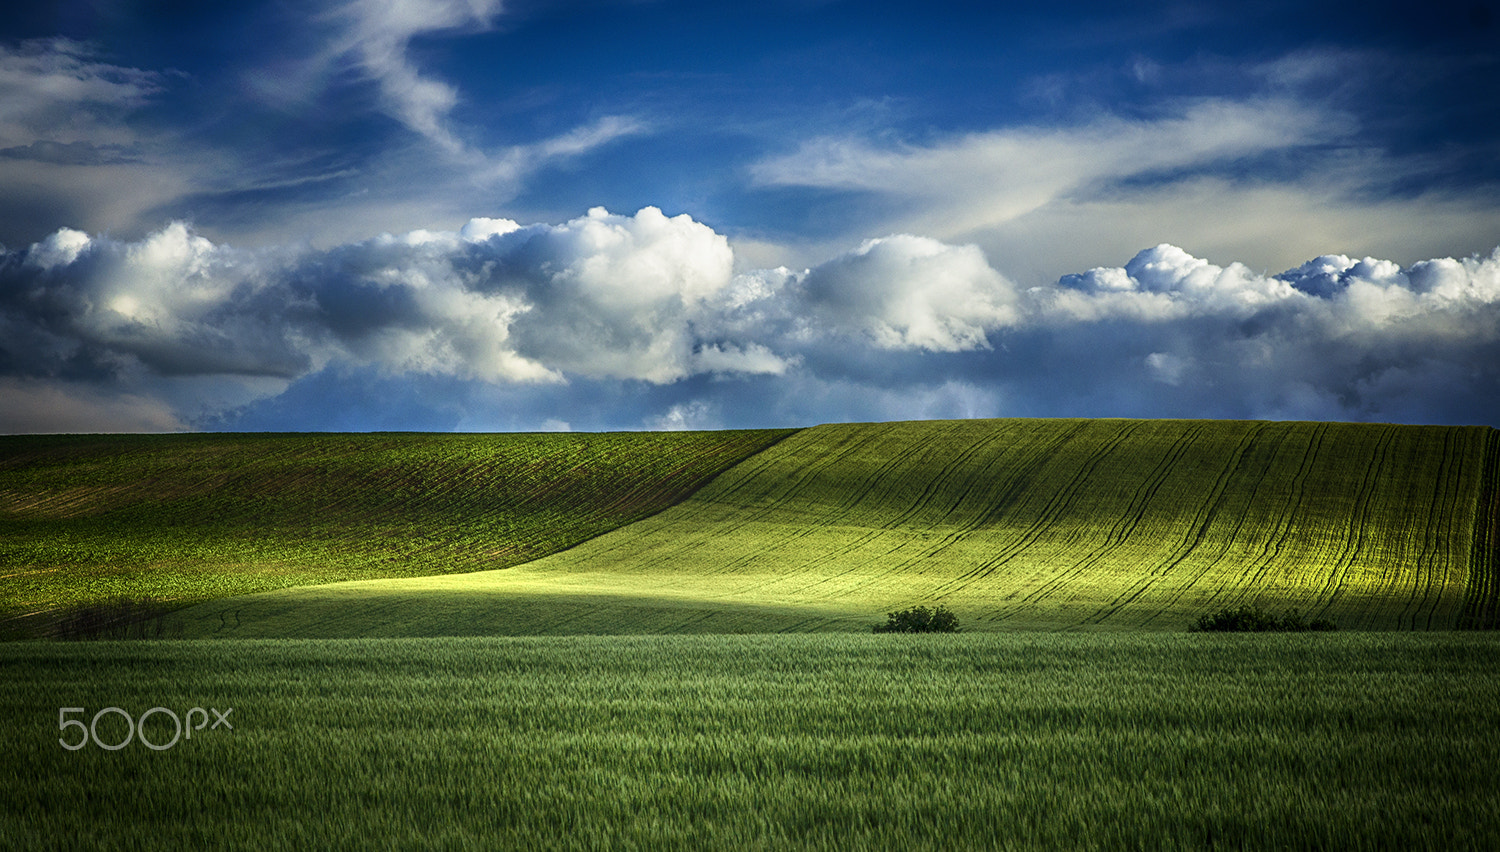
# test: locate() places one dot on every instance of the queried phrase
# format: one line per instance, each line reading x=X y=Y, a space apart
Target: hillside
x=1014 y=524
x=185 y=518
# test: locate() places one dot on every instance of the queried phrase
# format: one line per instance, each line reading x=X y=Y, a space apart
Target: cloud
x=1270 y=178
x=174 y=303
x=1164 y=283
x=602 y=296
x=513 y=164
x=615 y=321
x=110 y=148
x=908 y=292
x=684 y=416
x=73 y=147
x=68 y=153
x=1334 y=338
x=50 y=407
x=980 y=180
x=611 y=296
x=377 y=34
x=57 y=91
x=1264 y=224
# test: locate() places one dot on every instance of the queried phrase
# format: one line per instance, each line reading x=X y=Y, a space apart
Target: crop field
x=1482 y=605
x=1073 y=712
x=1013 y=524
x=184 y=518
x=998 y=741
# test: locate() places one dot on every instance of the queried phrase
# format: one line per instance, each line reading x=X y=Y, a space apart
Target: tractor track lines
x=1481 y=606
x=1288 y=511
x=1203 y=516
x=1204 y=520
x=1141 y=501
x=1064 y=499
x=1358 y=521
x=1431 y=559
x=1011 y=497
x=1106 y=522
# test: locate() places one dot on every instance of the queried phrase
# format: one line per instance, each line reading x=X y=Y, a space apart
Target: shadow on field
x=121 y=618
x=357 y=610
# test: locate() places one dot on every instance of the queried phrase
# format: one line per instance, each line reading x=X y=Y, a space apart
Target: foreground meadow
x=1348 y=740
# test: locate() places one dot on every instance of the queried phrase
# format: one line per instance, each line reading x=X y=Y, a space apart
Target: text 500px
x=115 y=739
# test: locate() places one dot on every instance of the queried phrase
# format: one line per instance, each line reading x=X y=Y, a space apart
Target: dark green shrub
x=919 y=619
x=1251 y=619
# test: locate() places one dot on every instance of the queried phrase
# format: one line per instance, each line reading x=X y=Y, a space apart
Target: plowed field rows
x=1482 y=606
x=194 y=517
x=1058 y=524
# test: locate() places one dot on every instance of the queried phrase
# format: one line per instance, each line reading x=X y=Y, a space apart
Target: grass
x=1020 y=741
x=1011 y=524
x=175 y=519
x=1117 y=734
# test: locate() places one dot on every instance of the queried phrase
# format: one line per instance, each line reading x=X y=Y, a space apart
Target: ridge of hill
x=1013 y=524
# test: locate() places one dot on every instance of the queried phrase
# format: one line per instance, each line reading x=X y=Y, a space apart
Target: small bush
x=1250 y=619
x=919 y=619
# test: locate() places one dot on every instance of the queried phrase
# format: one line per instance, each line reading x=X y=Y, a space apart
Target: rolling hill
x=1014 y=524
x=185 y=518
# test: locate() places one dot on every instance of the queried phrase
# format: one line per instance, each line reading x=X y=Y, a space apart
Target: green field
x=1013 y=524
x=184 y=518
x=1041 y=741
x=1072 y=713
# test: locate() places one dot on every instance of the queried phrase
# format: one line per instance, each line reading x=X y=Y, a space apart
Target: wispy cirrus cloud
x=961 y=184
x=71 y=149
x=59 y=91
x=377 y=34
x=106 y=147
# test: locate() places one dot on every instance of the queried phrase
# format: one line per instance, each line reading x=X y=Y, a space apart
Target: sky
x=480 y=215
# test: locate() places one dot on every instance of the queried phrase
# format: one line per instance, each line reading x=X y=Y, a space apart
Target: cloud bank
x=615 y=321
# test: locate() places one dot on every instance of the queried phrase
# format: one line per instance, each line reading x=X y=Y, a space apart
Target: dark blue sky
x=892 y=211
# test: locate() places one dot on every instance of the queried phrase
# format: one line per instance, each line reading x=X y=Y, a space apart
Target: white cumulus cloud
x=909 y=292
x=647 y=313
x=600 y=296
